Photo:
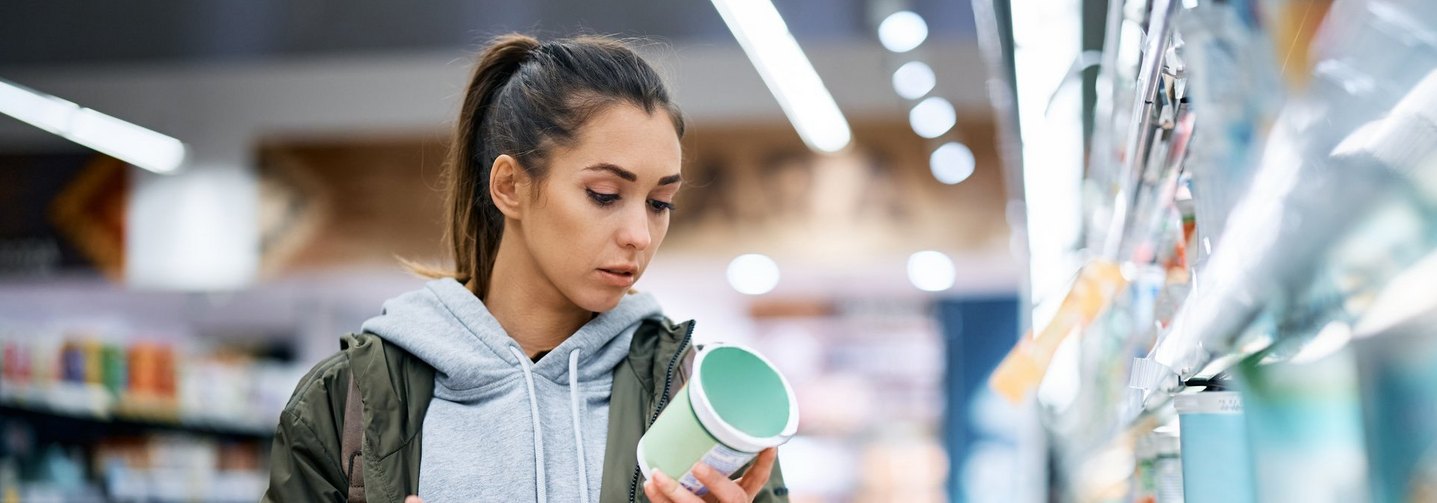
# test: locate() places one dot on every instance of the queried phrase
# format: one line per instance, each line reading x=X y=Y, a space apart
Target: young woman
x=529 y=372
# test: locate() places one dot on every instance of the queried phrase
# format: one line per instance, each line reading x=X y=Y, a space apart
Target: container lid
x=1209 y=402
x=740 y=398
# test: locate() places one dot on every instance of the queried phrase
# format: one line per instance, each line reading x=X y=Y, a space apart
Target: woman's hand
x=663 y=489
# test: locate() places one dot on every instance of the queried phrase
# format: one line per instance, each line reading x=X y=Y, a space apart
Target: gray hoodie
x=501 y=428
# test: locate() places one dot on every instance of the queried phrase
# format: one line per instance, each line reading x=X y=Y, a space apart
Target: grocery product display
x=1266 y=220
x=89 y=415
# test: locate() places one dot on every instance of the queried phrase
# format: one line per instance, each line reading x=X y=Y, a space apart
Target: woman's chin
x=601 y=300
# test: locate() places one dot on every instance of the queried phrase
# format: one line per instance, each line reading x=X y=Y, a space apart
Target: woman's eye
x=601 y=198
x=660 y=206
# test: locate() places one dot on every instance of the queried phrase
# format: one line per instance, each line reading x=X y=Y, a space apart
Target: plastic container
x=1216 y=463
x=1304 y=420
x=735 y=405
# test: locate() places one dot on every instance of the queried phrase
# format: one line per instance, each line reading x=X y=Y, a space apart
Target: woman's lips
x=618 y=278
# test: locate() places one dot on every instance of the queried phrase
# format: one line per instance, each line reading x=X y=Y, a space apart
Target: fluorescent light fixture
x=932 y=117
x=753 y=274
x=45 y=112
x=931 y=271
x=114 y=137
x=787 y=72
x=952 y=163
x=914 y=79
x=902 y=31
x=1045 y=38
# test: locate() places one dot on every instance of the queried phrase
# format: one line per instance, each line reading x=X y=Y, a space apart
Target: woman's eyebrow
x=621 y=172
x=629 y=175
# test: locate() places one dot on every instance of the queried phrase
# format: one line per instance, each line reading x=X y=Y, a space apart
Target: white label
x=723 y=460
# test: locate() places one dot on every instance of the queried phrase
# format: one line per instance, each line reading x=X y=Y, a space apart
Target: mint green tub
x=735 y=405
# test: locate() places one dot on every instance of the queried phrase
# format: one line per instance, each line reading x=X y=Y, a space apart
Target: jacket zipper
x=663 y=402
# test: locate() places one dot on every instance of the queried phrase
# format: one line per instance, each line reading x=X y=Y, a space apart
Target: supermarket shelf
x=104 y=417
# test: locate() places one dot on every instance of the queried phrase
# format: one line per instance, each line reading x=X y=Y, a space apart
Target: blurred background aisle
x=1006 y=250
x=153 y=324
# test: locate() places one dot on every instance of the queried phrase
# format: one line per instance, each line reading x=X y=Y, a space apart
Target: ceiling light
x=932 y=117
x=753 y=274
x=787 y=72
x=931 y=271
x=902 y=31
x=913 y=80
x=114 y=137
x=951 y=163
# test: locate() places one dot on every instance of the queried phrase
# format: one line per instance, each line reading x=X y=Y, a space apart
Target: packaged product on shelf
x=1304 y=421
x=54 y=473
x=1399 y=394
x=110 y=376
x=1216 y=467
x=151 y=392
x=1238 y=89
x=115 y=368
x=1159 y=476
x=1396 y=353
x=1157 y=102
x=1328 y=166
x=1168 y=467
x=1154 y=234
x=1091 y=292
x=1097 y=411
x=1145 y=486
x=179 y=468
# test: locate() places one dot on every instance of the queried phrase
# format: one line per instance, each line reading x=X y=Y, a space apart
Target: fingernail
x=661 y=479
x=702 y=469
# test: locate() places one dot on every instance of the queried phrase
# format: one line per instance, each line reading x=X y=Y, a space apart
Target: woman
x=530 y=371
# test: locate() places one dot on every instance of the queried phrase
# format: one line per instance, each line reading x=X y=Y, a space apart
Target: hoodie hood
x=489 y=398
x=448 y=327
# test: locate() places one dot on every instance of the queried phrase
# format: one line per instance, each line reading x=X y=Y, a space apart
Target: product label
x=1230 y=404
x=723 y=460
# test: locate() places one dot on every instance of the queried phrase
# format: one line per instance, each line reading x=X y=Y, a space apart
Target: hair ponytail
x=475 y=224
x=523 y=98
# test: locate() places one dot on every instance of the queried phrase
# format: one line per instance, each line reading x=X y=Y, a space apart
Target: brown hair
x=524 y=98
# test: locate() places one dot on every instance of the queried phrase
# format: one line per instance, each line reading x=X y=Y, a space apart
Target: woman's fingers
x=669 y=489
x=652 y=491
x=662 y=489
x=722 y=489
x=413 y=499
x=757 y=475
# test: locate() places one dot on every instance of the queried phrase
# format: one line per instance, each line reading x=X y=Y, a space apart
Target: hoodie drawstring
x=574 y=405
x=542 y=486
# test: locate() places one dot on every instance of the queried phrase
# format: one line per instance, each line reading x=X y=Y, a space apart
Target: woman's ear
x=506 y=186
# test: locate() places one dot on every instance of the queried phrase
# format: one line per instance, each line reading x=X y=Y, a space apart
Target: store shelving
x=113 y=414
x=133 y=419
x=1234 y=231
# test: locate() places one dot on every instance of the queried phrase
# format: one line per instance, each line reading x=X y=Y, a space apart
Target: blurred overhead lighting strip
x=114 y=137
x=789 y=75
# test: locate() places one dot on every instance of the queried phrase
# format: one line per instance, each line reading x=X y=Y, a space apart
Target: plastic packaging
x=1325 y=169
x=735 y=405
x=1091 y=293
x=1396 y=354
x=1305 y=425
x=1238 y=91
x=1215 y=461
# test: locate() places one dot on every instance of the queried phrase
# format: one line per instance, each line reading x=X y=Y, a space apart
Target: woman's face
x=604 y=206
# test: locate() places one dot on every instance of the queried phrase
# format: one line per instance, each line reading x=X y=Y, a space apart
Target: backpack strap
x=353 y=442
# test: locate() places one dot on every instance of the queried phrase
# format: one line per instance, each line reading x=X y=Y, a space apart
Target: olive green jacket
x=396 y=388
